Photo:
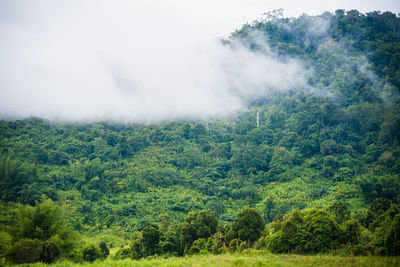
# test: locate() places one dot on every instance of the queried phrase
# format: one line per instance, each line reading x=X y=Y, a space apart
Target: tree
x=150 y=239
x=104 y=249
x=170 y=243
x=91 y=253
x=340 y=210
x=165 y=222
x=392 y=238
x=247 y=226
x=50 y=252
x=313 y=232
x=198 y=224
x=24 y=251
x=321 y=231
x=42 y=222
x=289 y=234
x=351 y=232
x=379 y=186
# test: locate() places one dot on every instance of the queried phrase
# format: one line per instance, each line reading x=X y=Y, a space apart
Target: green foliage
x=386 y=228
x=198 y=246
x=170 y=243
x=334 y=147
x=123 y=253
x=313 y=232
x=340 y=210
x=383 y=186
x=24 y=251
x=50 y=252
x=247 y=226
x=392 y=236
x=237 y=244
x=91 y=253
x=44 y=222
x=198 y=224
x=150 y=239
x=104 y=249
x=351 y=232
x=5 y=242
x=321 y=231
x=202 y=245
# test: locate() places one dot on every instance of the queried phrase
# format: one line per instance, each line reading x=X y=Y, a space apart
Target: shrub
x=359 y=250
x=351 y=232
x=5 y=242
x=237 y=245
x=50 y=252
x=248 y=226
x=198 y=224
x=150 y=240
x=91 y=253
x=223 y=250
x=104 y=249
x=320 y=231
x=197 y=246
x=24 y=251
x=316 y=231
x=123 y=253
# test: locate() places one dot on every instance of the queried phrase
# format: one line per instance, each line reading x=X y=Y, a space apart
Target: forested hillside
x=327 y=151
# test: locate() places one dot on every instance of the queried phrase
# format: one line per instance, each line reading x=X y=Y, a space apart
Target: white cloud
x=132 y=60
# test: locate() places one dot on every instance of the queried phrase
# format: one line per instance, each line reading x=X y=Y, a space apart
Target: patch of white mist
x=129 y=61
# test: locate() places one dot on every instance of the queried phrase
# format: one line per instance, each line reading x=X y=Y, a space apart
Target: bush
x=320 y=231
x=392 y=238
x=359 y=250
x=5 y=242
x=50 y=252
x=104 y=249
x=24 y=251
x=351 y=232
x=91 y=253
x=316 y=231
x=248 y=226
x=237 y=245
x=223 y=250
x=197 y=246
x=123 y=253
x=198 y=224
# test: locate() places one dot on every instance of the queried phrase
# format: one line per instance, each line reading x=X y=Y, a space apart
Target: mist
x=133 y=61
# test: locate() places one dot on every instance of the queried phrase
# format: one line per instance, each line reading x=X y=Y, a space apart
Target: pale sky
x=140 y=60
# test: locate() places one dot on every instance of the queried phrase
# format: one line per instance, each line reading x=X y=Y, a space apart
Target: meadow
x=246 y=258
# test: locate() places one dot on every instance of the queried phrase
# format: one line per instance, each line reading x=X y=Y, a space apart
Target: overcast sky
x=140 y=60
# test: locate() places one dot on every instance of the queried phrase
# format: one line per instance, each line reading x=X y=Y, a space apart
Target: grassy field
x=242 y=260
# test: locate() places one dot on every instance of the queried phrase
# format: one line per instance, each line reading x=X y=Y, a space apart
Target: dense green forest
x=319 y=173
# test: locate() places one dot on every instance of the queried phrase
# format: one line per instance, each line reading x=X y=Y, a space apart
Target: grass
x=250 y=258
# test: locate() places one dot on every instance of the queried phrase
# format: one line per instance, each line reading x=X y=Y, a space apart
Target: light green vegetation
x=259 y=259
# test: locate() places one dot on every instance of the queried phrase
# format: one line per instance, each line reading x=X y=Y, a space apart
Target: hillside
x=332 y=141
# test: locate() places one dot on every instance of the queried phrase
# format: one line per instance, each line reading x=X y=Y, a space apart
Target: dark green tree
x=42 y=223
x=24 y=251
x=50 y=252
x=340 y=210
x=91 y=253
x=104 y=249
x=198 y=224
x=351 y=232
x=150 y=239
x=321 y=231
x=392 y=237
x=247 y=226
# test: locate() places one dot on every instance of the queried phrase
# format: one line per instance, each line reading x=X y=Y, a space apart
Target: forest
x=307 y=171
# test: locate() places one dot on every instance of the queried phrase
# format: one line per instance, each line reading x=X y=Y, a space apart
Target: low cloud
x=86 y=60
